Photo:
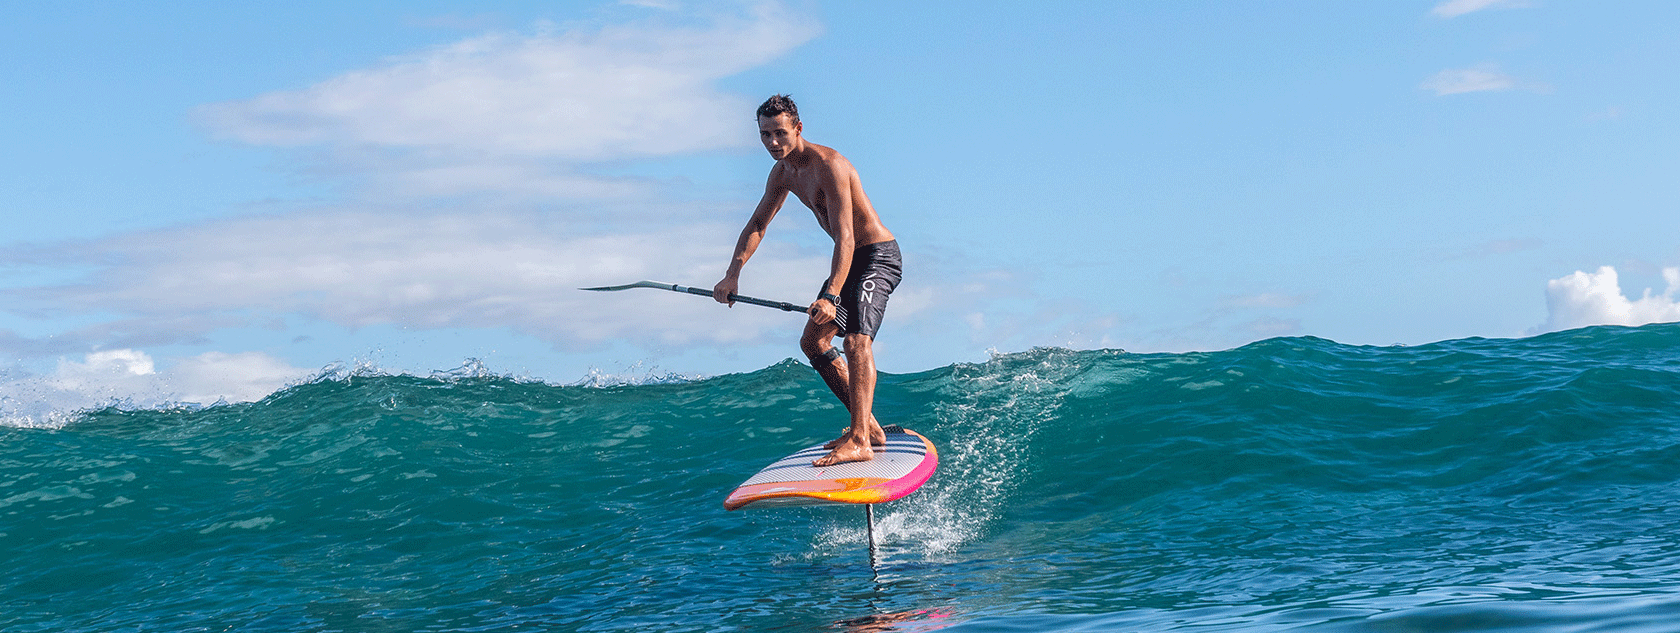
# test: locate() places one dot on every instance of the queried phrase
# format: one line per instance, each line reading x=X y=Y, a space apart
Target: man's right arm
x=751 y=235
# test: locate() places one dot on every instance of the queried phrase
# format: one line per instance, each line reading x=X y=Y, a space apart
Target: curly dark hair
x=779 y=104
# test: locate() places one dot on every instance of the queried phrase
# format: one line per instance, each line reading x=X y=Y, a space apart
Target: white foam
x=634 y=375
x=132 y=379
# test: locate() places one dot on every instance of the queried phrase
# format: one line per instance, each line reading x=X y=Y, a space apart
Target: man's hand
x=726 y=289
x=821 y=311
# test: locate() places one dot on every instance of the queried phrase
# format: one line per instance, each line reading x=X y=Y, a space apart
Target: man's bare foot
x=877 y=437
x=849 y=449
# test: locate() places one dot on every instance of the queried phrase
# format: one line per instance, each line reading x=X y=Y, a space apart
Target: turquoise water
x=1292 y=484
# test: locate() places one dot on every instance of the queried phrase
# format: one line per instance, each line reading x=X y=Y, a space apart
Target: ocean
x=1293 y=484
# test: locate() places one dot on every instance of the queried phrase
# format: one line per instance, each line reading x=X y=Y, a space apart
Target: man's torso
x=805 y=181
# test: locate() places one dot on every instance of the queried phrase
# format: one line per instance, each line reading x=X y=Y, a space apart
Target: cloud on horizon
x=1582 y=299
x=466 y=269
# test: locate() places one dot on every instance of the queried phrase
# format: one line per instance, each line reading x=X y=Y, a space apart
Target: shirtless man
x=864 y=271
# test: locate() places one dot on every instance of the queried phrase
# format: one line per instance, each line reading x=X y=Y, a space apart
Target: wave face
x=1299 y=484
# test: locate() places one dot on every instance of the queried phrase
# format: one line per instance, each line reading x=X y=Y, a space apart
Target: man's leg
x=860 y=385
x=819 y=349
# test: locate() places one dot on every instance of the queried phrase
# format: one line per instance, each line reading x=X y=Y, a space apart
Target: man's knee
x=858 y=343
x=859 y=351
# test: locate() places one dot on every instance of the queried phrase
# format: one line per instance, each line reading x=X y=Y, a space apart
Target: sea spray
x=987 y=415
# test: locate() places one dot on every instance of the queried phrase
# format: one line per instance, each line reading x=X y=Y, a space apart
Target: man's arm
x=774 y=195
x=837 y=188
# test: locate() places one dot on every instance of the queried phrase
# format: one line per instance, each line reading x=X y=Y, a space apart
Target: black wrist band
x=831 y=298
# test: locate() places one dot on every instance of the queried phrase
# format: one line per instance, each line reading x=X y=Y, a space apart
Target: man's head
x=779 y=104
x=779 y=127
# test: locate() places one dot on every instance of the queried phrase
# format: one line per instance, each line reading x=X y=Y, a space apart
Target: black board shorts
x=876 y=271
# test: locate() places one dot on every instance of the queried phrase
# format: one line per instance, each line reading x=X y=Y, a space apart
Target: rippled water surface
x=1294 y=484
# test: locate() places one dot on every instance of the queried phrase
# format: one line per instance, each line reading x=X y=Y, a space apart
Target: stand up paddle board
x=898 y=469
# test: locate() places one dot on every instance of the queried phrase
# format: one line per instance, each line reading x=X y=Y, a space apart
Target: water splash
x=986 y=419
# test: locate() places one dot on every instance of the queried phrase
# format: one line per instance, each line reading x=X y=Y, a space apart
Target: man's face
x=780 y=134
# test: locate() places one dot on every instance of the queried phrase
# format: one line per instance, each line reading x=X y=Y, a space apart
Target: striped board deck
x=898 y=469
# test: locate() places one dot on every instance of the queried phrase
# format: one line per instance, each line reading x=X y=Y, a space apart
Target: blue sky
x=206 y=200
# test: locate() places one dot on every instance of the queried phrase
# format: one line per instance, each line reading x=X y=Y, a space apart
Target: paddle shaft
x=701 y=292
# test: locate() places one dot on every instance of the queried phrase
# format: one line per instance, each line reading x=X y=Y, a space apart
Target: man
x=865 y=268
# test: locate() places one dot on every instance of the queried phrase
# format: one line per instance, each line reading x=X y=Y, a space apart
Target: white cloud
x=487 y=111
x=103 y=372
x=434 y=180
x=468 y=270
x=1455 y=8
x=241 y=377
x=1582 y=299
x=1482 y=78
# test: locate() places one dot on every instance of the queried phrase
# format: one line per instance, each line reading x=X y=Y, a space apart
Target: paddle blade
x=639 y=284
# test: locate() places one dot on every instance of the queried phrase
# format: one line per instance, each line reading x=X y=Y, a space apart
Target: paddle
x=780 y=305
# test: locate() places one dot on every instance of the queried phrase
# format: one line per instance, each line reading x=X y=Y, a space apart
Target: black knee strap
x=827 y=358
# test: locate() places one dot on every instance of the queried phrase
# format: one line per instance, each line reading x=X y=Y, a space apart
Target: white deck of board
x=901 y=455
